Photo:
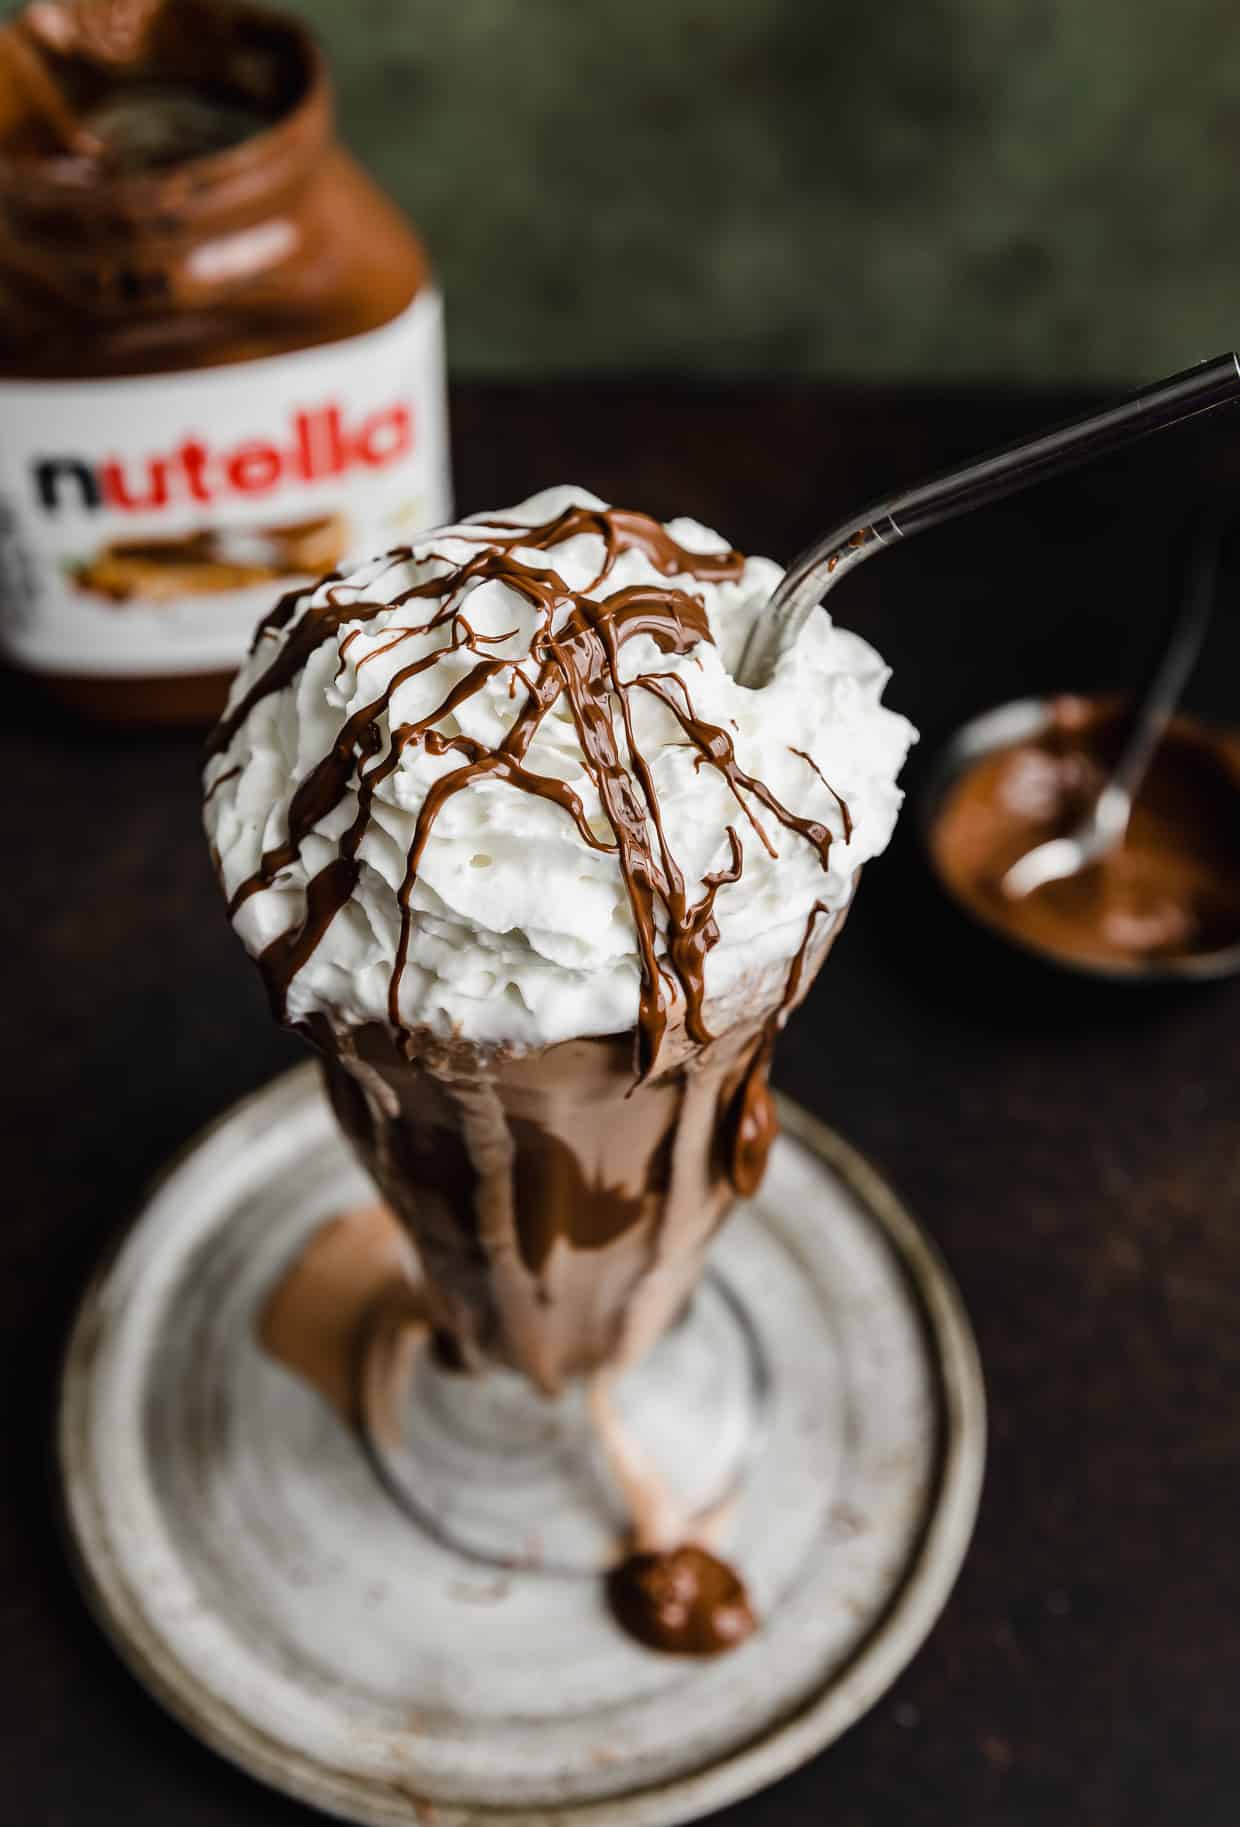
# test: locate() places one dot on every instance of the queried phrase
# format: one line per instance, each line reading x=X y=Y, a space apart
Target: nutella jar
x=221 y=359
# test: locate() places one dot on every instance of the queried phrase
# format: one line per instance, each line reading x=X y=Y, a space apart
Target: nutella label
x=146 y=524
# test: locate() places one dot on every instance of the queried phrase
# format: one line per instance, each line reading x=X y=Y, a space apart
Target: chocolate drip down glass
x=562 y=1212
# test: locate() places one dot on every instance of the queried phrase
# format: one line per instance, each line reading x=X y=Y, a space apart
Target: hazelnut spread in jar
x=221 y=362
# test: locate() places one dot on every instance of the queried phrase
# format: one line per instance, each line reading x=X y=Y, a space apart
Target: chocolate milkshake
x=541 y=882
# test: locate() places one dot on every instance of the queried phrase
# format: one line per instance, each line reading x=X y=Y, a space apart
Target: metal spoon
x=1103 y=826
x=958 y=491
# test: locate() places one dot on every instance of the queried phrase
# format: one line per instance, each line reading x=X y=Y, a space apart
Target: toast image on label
x=213 y=560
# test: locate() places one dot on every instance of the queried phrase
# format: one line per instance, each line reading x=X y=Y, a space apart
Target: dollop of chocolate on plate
x=1171 y=890
x=683 y=1602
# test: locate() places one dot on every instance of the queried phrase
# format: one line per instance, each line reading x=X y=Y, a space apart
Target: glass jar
x=221 y=374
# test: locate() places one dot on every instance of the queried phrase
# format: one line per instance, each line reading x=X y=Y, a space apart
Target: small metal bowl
x=1002 y=728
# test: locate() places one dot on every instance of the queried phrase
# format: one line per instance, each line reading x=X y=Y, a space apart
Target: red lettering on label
x=305 y=446
x=338 y=454
x=252 y=469
x=192 y=457
x=318 y=444
x=384 y=436
x=115 y=490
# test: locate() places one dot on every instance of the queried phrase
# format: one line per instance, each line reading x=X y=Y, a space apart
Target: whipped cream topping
x=448 y=795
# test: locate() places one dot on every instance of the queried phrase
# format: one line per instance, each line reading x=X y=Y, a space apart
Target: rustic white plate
x=239 y=1550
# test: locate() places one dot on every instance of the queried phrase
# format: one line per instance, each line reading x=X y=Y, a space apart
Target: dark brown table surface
x=1075 y=1149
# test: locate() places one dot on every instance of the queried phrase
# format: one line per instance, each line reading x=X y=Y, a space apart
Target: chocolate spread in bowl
x=1170 y=891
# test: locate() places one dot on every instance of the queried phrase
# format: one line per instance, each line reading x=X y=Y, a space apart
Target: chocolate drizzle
x=218 y=782
x=575 y=654
x=845 y=814
x=755 y=1123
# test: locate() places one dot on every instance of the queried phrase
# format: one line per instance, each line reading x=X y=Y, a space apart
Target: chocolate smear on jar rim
x=577 y=660
x=118 y=91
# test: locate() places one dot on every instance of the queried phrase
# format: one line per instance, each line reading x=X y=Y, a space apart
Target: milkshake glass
x=541 y=882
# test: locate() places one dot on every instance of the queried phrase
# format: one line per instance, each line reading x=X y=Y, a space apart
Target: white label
x=147 y=524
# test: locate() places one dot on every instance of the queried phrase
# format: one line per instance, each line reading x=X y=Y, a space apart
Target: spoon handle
x=988 y=478
x=1176 y=649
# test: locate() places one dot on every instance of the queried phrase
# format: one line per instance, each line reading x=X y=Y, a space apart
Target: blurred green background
x=1017 y=190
